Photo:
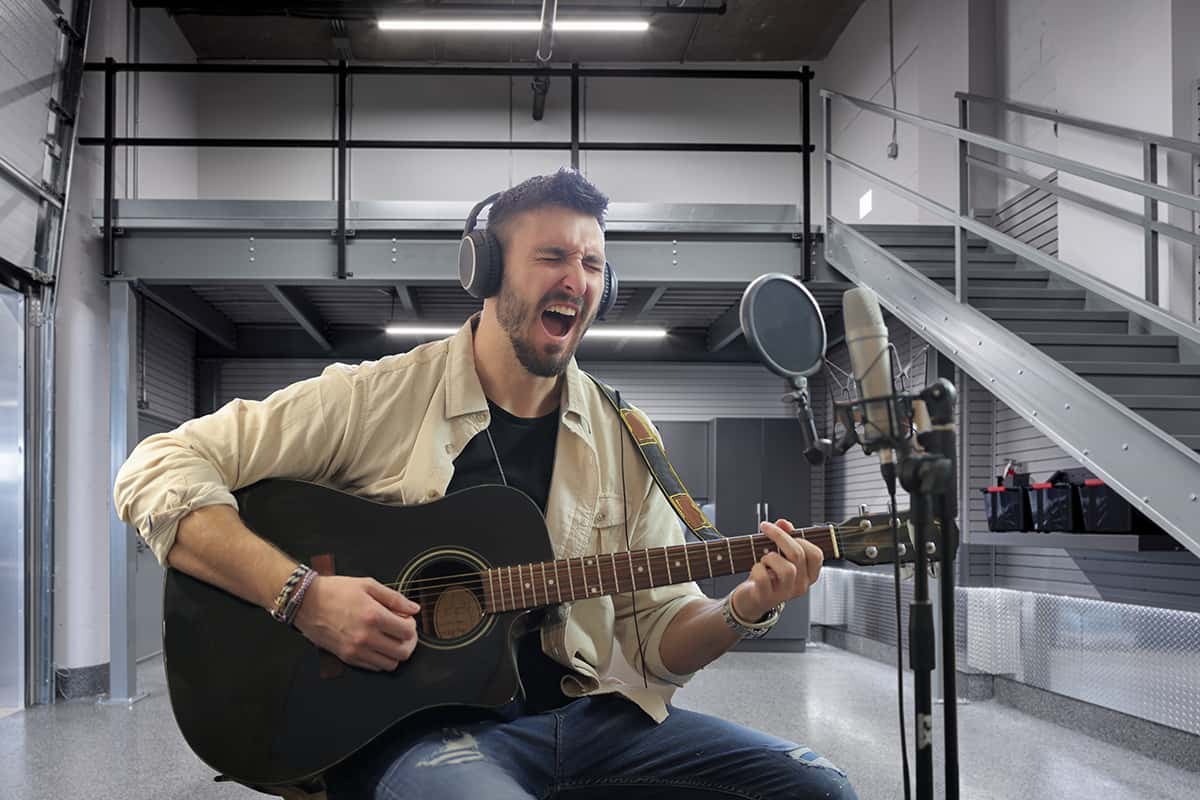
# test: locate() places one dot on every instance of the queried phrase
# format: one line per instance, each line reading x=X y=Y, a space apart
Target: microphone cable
x=891 y=484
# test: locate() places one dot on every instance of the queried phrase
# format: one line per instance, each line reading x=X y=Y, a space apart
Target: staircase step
x=985 y=298
x=988 y=277
x=1175 y=414
x=945 y=255
x=916 y=236
x=1104 y=346
x=1061 y=321
x=1132 y=377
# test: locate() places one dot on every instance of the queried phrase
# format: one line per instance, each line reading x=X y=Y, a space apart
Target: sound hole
x=450 y=591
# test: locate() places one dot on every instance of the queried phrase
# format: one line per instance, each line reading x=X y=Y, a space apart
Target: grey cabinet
x=758 y=472
x=687 y=445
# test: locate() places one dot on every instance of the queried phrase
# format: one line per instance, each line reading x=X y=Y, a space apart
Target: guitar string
x=508 y=587
x=475 y=580
x=736 y=542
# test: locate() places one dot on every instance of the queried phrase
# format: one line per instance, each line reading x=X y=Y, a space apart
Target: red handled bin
x=1007 y=508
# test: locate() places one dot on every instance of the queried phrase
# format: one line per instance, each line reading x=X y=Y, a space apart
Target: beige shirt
x=389 y=430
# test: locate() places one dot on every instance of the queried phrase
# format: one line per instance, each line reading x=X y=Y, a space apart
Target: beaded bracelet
x=285 y=594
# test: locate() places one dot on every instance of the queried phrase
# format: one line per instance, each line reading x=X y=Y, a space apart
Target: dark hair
x=567 y=188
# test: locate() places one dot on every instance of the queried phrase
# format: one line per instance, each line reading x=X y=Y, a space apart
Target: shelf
x=1127 y=542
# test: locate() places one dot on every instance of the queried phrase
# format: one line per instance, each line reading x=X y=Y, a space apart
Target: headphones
x=480 y=263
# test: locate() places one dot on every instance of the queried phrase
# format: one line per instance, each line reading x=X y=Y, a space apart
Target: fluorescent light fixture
x=605 y=332
x=514 y=25
x=601 y=332
x=421 y=330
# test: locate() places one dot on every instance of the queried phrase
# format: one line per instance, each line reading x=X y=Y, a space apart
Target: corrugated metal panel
x=18 y=225
x=982 y=430
x=28 y=48
x=245 y=304
x=1031 y=217
x=168 y=351
x=677 y=392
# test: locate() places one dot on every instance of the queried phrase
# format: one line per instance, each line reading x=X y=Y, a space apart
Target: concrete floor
x=840 y=704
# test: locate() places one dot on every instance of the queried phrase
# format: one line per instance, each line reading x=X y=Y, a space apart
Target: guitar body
x=261 y=704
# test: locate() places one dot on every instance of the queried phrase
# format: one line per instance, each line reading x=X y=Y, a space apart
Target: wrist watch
x=749 y=630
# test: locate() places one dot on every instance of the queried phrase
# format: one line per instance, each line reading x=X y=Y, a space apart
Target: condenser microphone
x=867 y=341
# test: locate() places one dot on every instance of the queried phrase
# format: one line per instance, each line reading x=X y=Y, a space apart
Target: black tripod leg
x=921 y=654
x=949 y=679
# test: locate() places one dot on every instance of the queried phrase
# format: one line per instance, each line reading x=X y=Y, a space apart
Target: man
x=502 y=401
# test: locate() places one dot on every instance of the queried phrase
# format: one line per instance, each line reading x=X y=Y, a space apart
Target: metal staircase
x=1108 y=376
x=1141 y=371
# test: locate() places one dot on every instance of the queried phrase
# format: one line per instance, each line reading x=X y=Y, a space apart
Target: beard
x=517 y=316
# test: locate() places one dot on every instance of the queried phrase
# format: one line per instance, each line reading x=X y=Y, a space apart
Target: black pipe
x=806 y=76
x=110 y=123
x=370 y=11
x=575 y=115
x=343 y=114
x=380 y=69
x=437 y=144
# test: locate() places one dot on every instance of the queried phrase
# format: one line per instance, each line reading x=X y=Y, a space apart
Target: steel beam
x=407 y=301
x=303 y=311
x=725 y=330
x=297 y=259
x=195 y=311
x=642 y=302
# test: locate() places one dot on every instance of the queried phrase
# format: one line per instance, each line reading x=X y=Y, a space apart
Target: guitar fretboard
x=539 y=584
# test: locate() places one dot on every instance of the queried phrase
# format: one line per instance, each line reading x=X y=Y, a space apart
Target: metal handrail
x=963 y=223
x=19 y=179
x=1182 y=145
x=1114 y=179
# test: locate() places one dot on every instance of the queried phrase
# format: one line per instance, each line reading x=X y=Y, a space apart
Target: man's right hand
x=359 y=620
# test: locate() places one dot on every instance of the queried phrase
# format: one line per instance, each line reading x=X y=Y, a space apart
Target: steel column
x=110 y=122
x=806 y=76
x=343 y=113
x=122 y=552
x=1150 y=174
x=575 y=115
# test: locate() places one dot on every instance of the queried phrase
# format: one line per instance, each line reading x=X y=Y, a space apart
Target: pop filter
x=783 y=323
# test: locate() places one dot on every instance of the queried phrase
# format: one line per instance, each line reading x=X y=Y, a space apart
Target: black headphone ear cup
x=479 y=264
x=608 y=298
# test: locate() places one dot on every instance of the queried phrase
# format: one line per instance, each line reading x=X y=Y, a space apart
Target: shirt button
x=432 y=494
x=449 y=448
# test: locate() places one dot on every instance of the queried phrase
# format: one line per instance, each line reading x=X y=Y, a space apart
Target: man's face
x=553 y=279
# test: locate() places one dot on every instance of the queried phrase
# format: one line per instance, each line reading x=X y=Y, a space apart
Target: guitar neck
x=523 y=586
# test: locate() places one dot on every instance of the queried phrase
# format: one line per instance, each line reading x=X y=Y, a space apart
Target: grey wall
x=611 y=109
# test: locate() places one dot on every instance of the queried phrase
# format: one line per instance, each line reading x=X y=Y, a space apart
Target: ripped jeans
x=595 y=747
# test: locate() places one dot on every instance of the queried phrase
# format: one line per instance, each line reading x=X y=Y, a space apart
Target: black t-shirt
x=525 y=448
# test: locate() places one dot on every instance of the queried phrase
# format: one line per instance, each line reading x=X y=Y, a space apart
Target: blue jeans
x=594 y=747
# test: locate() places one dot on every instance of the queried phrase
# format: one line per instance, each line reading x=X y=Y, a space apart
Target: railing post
x=110 y=124
x=964 y=208
x=806 y=76
x=826 y=166
x=1150 y=174
x=342 y=199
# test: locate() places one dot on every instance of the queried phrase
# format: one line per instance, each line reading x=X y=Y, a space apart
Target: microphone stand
x=929 y=478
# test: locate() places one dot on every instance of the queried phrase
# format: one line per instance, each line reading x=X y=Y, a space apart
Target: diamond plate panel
x=1139 y=660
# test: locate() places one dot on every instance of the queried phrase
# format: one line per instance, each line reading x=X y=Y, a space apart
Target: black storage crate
x=1007 y=508
x=1055 y=505
x=1105 y=511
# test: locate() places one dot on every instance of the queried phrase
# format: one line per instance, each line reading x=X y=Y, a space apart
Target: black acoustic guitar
x=261 y=704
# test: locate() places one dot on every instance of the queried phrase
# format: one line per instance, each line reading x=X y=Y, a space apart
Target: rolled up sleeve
x=301 y=431
x=656 y=526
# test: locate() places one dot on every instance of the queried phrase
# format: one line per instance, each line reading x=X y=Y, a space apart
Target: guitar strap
x=655 y=455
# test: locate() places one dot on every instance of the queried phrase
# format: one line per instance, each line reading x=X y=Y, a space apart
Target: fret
x=525 y=585
x=616 y=582
x=650 y=569
x=708 y=555
x=591 y=589
x=833 y=541
x=510 y=588
x=546 y=588
x=729 y=549
x=667 y=561
x=570 y=579
x=492 y=589
x=687 y=557
x=632 y=576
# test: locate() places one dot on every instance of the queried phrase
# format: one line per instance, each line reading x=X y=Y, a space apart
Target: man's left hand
x=778 y=576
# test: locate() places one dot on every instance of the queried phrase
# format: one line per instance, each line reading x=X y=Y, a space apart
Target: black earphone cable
x=629 y=545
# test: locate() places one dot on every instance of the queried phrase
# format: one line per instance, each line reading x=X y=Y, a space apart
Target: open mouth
x=558 y=319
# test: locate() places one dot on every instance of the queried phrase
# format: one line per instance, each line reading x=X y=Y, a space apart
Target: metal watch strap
x=749 y=630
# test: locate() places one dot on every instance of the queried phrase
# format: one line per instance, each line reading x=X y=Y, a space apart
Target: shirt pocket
x=608 y=524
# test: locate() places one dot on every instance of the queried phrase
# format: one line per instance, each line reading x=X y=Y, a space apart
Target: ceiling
x=680 y=31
